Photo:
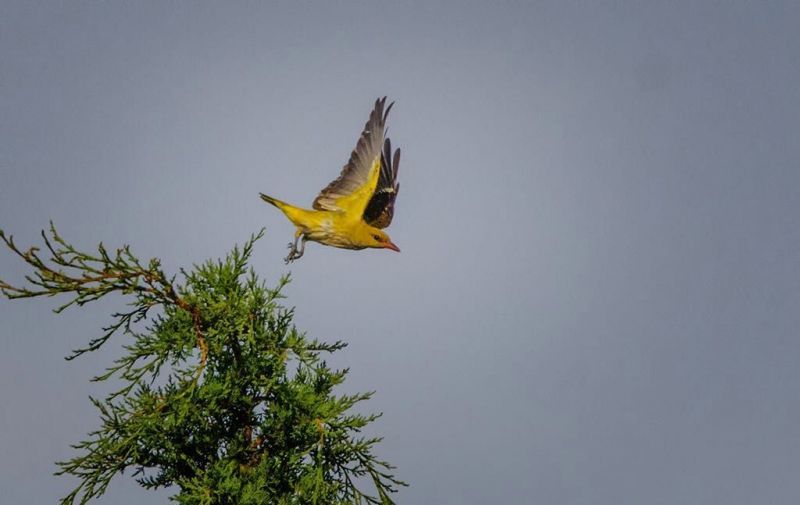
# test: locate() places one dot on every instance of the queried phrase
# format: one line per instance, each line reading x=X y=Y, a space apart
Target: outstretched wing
x=354 y=187
x=380 y=209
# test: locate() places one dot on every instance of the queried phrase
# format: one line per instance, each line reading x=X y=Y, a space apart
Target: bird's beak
x=390 y=245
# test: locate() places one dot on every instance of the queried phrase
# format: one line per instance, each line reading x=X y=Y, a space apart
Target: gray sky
x=597 y=298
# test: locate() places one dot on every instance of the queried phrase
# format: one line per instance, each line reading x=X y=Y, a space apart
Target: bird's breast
x=332 y=232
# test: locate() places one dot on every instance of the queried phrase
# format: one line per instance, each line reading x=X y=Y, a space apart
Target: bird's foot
x=294 y=253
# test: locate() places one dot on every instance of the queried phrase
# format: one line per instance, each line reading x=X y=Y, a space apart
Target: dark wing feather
x=380 y=209
x=355 y=173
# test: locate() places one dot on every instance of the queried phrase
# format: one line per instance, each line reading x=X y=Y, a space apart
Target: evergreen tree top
x=220 y=395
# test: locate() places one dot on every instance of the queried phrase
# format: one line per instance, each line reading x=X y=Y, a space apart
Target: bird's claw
x=294 y=253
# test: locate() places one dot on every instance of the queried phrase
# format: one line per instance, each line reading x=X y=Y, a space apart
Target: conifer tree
x=217 y=393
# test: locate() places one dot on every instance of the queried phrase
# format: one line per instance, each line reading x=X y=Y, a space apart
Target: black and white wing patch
x=380 y=209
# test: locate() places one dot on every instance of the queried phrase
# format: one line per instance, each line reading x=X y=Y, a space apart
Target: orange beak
x=390 y=245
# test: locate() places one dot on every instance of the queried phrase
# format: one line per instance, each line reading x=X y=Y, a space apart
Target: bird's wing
x=380 y=209
x=354 y=187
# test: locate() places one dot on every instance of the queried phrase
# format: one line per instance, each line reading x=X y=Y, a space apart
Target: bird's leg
x=294 y=252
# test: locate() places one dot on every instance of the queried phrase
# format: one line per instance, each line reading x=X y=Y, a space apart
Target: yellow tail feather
x=273 y=201
x=296 y=215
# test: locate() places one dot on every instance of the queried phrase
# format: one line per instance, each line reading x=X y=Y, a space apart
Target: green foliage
x=220 y=395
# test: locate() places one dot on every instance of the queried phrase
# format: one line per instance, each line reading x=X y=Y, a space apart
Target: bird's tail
x=296 y=215
x=273 y=201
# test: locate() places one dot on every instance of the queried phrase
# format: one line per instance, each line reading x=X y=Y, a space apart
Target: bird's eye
x=377 y=237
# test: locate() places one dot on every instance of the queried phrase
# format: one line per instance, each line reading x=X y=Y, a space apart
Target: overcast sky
x=598 y=298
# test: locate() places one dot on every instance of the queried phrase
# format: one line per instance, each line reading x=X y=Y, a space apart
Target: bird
x=352 y=211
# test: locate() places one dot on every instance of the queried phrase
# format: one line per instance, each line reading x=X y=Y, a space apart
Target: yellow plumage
x=350 y=212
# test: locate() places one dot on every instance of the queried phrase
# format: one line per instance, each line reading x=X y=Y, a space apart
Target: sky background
x=598 y=298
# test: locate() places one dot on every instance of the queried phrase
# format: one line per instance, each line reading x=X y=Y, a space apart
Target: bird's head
x=379 y=240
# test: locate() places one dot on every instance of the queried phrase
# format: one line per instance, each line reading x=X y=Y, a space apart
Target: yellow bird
x=351 y=211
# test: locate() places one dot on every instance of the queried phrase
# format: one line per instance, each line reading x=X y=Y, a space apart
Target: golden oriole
x=351 y=211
